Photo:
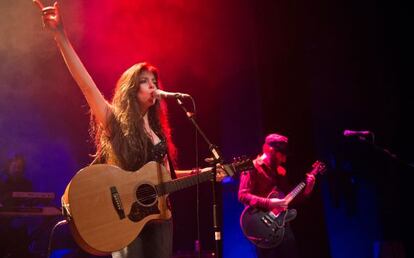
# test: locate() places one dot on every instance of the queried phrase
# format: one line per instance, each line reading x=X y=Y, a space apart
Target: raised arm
x=52 y=21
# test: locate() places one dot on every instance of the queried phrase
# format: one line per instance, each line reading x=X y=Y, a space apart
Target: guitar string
x=147 y=191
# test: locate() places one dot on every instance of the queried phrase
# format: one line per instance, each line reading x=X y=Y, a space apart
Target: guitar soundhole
x=146 y=195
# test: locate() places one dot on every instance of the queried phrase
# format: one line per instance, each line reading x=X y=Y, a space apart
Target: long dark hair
x=125 y=140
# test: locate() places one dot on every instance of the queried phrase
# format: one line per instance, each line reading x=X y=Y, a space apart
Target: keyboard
x=20 y=211
x=33 y=195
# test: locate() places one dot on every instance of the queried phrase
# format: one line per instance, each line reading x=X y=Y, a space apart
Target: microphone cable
x=49 y=246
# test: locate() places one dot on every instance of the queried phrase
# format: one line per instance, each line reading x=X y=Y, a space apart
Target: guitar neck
x=182 y=183
x=318 y=167
x=296 y=191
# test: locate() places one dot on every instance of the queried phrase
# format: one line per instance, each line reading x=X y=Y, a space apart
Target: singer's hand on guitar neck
x=220 y=173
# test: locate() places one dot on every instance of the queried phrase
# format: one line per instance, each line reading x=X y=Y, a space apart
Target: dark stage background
x=306 y=69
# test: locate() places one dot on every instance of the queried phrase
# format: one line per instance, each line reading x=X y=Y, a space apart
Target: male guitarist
x=269 y=177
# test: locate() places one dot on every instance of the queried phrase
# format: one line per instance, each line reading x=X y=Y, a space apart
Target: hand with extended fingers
x=50 y=16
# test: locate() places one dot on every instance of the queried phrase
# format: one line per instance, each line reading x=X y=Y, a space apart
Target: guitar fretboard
x=179 y=184
x=318 y=167
x=297 y=190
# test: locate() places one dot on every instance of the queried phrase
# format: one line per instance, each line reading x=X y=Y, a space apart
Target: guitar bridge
x=139 y=212
x=116 y=201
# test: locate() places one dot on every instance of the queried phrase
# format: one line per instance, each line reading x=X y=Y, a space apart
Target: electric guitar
x=266 y=228
x=107 y=207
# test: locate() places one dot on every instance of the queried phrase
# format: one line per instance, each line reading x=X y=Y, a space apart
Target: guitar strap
x=261 y=167
x=172 y=170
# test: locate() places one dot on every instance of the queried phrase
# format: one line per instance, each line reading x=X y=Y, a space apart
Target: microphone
x=160 y=94
x=356 y=133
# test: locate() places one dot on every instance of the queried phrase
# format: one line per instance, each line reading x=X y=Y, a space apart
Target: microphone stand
x=217 y=158
x=384 y=151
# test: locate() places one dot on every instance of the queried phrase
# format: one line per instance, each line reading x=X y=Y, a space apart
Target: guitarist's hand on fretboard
x=310 y=183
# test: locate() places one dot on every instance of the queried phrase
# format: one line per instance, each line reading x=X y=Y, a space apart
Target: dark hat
x=277 y=142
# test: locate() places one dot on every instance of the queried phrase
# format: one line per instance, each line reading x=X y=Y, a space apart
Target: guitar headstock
x=318 y=167
x=239 y=164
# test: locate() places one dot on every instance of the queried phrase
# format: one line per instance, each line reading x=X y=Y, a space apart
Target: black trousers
x=155 y=241
x=286 y=249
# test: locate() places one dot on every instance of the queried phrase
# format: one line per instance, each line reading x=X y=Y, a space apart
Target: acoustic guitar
x=107 y=207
